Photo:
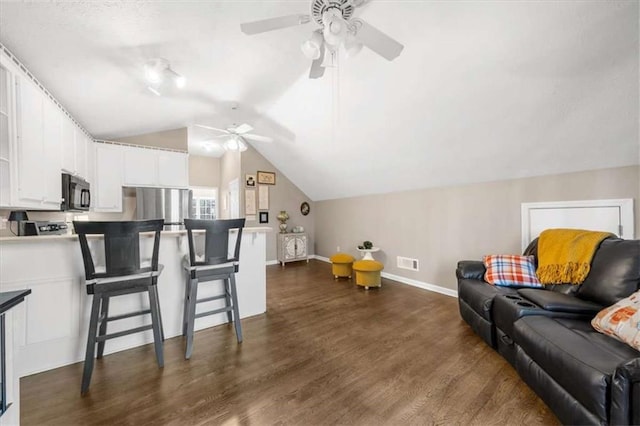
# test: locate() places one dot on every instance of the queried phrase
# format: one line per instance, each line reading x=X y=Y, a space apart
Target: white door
x=6 y=135
x=81 y=153
x=615 y=216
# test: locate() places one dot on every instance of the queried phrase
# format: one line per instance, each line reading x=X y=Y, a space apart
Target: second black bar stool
x=124 y=273
x=217 y=263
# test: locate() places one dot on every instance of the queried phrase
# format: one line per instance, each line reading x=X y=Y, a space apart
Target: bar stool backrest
x=216 y=245
x=121 y=246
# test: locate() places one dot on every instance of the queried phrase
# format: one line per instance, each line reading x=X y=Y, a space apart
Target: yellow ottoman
x=368 y=273
x=341 y=265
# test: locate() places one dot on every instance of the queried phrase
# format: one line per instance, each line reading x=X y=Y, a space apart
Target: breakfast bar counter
x=50 y=328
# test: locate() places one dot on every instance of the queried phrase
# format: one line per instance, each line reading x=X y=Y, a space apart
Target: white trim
x=624 y=204
x=272 y=262
x=404 y=280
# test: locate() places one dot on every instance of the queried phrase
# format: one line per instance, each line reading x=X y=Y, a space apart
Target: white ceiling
x=483 y=90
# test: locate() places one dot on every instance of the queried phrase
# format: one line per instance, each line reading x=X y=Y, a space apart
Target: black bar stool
x=216 y=264
x=124 y=273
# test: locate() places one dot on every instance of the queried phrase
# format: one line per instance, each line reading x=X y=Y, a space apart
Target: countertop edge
x=73 y=237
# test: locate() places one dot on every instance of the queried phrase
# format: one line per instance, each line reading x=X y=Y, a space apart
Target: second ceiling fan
x=236 y=136
x=337 y=28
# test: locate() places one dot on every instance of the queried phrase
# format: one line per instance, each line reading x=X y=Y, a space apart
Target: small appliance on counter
x=76 y=193
x=35 y=227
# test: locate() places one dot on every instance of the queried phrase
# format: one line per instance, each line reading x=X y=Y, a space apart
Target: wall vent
x=408 y=263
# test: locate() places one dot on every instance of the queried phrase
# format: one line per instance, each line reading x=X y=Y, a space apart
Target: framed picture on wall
x=250 y=180
x=250 y=202
x=267 y=178
x=263 y=197
x=264 y=217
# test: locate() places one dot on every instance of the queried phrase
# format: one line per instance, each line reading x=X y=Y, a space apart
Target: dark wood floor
x=325 y=352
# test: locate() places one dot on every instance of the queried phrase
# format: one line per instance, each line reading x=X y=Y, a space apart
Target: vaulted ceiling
x=483 y=90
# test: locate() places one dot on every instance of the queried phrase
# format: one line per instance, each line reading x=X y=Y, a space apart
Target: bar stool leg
x=236 y=312
x=104 y=314
x=191 y=316
x=156 y=324
x=185 y=309
x=91 y=344
x=227 y=298
x=159 y=313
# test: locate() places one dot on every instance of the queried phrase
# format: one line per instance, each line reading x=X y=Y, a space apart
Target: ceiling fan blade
x=212 y=128
x=257 y=138
x=243 y=128
x=377 y=41
x=317 y=70
x=271 y=24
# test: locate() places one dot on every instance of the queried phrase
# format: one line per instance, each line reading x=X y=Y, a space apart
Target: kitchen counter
x=14 y=238
x=50 y=328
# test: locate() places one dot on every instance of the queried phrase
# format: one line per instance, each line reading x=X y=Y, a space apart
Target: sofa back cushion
x=615 y=272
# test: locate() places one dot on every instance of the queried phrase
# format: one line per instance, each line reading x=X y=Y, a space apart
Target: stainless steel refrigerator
x=172 y=205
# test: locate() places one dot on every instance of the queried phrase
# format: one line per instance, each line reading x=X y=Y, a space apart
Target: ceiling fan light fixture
x=335 y=27
x=352 y=46
x=311 y=48
x=235 y=144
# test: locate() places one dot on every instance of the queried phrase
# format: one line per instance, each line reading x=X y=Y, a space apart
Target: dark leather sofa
x=584 y=376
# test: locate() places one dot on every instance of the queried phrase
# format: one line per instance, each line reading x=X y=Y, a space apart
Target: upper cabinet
x=153 y=167
x=37 y=141
x=108 y=187
x=74 y=149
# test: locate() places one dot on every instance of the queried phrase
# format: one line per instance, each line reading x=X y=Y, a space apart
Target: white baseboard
x=272 y=262
x=405 y=280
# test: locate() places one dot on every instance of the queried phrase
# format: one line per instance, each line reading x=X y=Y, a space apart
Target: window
x=204 y=204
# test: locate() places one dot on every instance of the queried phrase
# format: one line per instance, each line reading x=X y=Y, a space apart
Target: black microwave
x=76 y=193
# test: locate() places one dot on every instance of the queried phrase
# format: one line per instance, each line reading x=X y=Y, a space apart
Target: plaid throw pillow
x=511 y=271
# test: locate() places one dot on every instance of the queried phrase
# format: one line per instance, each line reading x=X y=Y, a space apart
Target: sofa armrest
x=559 y=302
x=470 y=269
x=625 y=394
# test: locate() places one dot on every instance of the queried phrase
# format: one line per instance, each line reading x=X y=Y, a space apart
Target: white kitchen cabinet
x=153 y=167
x=38 y=147
x=140 y=166
x=173 y=169
x=6 y=133
x=52 y=125
x=74 y=149
x=91 y=161
x=107 y=191
x=292 y=247
x=68 y=145
x=81 y=154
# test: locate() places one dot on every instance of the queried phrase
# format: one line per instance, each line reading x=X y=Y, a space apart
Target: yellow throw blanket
x=564 y=255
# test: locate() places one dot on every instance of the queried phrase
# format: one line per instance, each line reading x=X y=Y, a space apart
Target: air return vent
x=408 y=263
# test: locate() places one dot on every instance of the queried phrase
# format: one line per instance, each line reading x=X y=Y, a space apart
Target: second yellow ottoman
x=341 y=265
x=368 y=273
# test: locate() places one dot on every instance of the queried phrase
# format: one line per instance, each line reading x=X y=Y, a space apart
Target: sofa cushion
x=479 y=295
x=559 y=302
x=621 y=321
x=615 y=272
x=573 y=354
x=511 y=271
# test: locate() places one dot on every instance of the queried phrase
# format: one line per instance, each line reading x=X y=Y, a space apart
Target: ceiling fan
x=236 y=136
x=337 y=28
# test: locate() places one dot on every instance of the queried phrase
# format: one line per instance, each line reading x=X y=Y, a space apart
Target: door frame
x=625 y=206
